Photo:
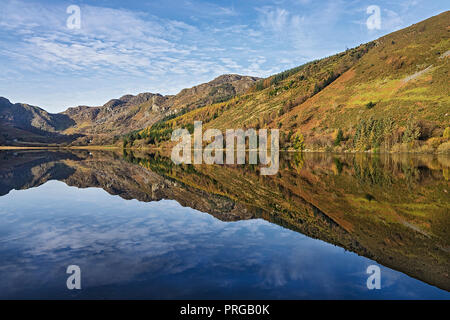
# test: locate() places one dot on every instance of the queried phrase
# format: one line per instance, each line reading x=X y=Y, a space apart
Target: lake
x=140 y=227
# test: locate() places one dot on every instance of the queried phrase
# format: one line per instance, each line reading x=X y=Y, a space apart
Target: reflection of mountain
x=394 y=211
x=23 y=170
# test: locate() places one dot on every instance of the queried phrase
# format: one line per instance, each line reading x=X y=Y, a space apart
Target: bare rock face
x=130 y=112
x=25 y=124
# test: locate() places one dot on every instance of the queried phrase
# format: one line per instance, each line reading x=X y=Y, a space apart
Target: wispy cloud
x=109 y=39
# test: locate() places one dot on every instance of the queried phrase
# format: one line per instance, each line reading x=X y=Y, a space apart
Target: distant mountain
x=25 y=124
x=391 y=93
x=29 y=123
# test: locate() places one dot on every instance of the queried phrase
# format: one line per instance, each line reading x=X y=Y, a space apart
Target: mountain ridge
x=99 y=124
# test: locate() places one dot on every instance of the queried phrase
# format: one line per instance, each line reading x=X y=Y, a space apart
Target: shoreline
x=143 y=149
x=57 y=148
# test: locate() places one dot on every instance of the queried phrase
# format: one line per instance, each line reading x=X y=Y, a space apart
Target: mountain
x=391 y=93
x=25 y=124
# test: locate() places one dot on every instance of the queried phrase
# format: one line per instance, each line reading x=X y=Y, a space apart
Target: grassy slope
x=379 y=77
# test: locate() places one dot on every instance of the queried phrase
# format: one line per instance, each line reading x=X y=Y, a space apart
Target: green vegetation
x=276 y=79
x=298 y=142
x=370 y=105
x=222 y=93
x=158 y=132
x=339 y=137
x=446 y=134
x=412 y=131
x=129 y=138
x=371 y=133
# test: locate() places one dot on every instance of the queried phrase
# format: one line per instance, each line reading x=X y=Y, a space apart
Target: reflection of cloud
x=128 y=245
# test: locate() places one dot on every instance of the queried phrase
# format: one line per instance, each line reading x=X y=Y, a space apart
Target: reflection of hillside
x=391 y=209
x=23 y=170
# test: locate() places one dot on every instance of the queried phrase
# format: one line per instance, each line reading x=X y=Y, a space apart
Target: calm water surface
x=140 y=228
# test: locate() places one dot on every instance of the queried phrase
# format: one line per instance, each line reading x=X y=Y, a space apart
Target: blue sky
x=163 y=46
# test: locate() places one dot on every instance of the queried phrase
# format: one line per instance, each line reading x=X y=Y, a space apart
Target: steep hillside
x=392 y=93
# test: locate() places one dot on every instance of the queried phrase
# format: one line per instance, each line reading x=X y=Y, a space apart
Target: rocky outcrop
x=23 y=123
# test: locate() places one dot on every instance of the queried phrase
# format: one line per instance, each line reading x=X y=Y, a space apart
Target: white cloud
x=116 y=40
x=275 y=19
x=108 y=37
x=390 y=20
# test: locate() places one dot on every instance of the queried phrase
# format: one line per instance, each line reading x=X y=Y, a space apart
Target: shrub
x=339 y=137
x=298 y=142
x=446 y=133
x=444 y=148
x=370 y=105
x=434 y=142
x=425 y=148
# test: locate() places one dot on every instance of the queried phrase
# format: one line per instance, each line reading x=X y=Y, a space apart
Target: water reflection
x=308 y=232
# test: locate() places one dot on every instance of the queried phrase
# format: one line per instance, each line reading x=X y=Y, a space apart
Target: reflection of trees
x=383 y=170
x=371 y=172
x=297 y=161
x=411 y=174
x=339 y=165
